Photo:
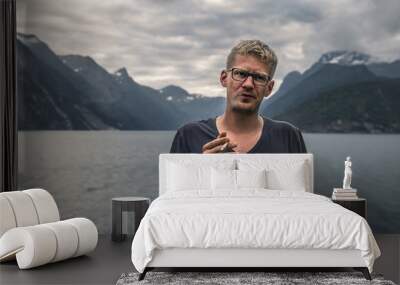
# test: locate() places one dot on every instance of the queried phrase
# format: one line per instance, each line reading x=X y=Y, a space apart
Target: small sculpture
x=347 y=173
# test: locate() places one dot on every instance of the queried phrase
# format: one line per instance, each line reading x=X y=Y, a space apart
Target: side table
x=358 y=205
x=135 y=205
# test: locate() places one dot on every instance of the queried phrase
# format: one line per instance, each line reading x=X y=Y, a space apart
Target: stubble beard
x=236 y=106
x=245 y=111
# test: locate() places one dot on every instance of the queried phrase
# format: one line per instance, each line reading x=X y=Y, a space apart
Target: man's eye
x=242 y=73
x=260 y=78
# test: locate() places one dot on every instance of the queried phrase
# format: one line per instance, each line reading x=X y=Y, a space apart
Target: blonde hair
x=255 y=48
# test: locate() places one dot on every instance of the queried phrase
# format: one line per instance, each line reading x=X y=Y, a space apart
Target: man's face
x=246 y=96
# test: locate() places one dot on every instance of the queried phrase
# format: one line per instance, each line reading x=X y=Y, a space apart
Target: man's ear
x=269 y=88
x=223 y=77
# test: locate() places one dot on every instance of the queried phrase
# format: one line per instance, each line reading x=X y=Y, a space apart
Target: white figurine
x=347 y=173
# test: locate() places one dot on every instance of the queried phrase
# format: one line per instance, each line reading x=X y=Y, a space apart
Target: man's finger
x=224 y=147
x=232 y=145
x=218 y=148
x=216 y=142
x=222 y=134
x=229 y=147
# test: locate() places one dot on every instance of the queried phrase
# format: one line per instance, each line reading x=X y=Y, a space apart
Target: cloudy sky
x=186 y=42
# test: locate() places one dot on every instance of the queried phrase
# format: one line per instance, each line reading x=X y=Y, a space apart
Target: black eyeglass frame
x=252 y=74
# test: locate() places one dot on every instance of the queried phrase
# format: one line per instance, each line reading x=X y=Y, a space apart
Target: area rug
x=243 y=278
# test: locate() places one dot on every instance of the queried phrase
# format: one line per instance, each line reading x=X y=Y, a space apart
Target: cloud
x=186 y=42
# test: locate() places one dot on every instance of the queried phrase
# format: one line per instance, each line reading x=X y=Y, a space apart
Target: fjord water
x=85 y=169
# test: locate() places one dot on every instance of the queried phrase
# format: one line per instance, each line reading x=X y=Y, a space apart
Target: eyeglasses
x=241 y=75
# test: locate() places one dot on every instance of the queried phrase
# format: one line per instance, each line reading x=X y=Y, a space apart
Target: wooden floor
x=110 y=260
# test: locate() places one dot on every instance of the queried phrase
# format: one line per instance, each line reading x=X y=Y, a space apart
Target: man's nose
x=248 y=83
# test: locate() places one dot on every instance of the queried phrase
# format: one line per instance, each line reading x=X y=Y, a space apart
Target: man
x=248 y=80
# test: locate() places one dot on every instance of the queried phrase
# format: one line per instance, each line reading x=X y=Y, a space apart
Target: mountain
x=325 y=77
x=336 y=73
x=368 y=107
x=175 y=93
x=196 y=107
x=127 y=103
x=341 y=92
x=379 y=68
x=344 y=57
x=107 y=91
x=50 y=96
x=74 y=92
x=289 y=81
x=391 y=70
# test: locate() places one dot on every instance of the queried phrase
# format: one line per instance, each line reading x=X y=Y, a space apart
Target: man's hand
x=220 y=144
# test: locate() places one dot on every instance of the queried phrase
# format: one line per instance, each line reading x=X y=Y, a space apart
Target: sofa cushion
x=23 y=208
x=7 y=220
x=45 y=205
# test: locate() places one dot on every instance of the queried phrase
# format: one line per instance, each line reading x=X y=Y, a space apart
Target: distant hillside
x=344 y=91
x=391 y=70
x=129 y=104
x=50 y=95
x=73 y=92
x=304 y=98
x=327 y=76
x=371 y=107
x=196 y=107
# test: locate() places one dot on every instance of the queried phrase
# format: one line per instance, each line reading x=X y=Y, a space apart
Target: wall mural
x=93 y=116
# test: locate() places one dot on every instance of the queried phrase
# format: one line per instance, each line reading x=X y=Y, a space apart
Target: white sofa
x=31 y=231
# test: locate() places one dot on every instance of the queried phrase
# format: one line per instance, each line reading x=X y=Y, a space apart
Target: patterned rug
x=243 y=278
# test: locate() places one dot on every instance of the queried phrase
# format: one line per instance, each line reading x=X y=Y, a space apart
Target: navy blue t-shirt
x=276 y=137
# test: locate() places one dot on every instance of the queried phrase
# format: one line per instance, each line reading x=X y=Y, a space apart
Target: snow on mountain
x=28 y=39
x=344 y=57
x=121 y=75
x=122 y=72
